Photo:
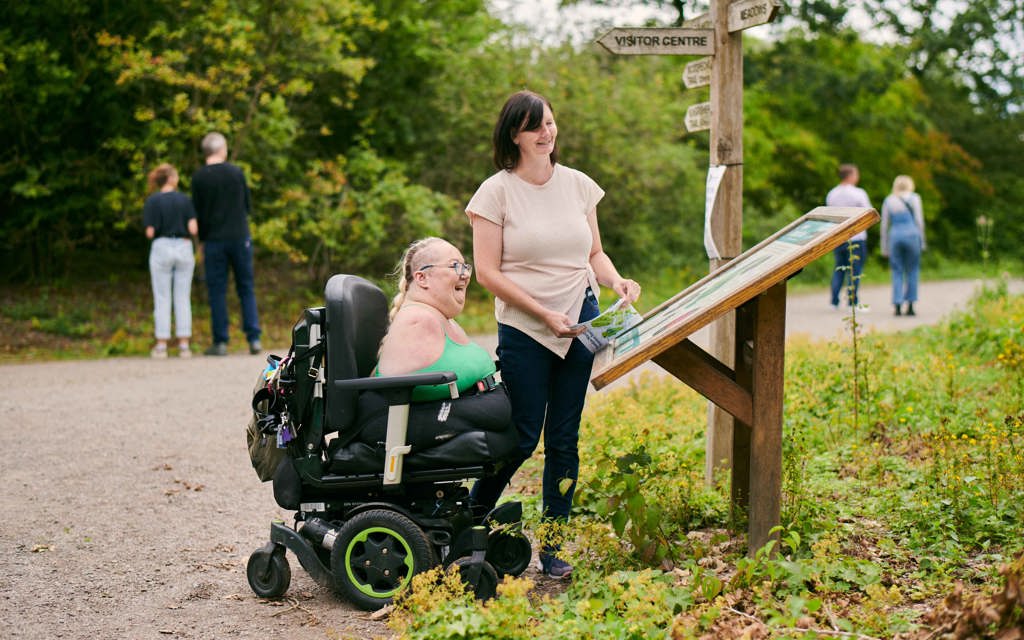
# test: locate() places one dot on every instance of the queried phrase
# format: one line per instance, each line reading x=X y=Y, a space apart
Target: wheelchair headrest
x=357 y=319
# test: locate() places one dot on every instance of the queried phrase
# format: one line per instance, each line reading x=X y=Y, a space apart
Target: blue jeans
x=905 y=262
x=219 y=255
x=547 y=394
x=849 y=264
x=171 y=264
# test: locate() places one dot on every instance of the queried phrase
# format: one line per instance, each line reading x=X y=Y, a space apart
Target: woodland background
x=363 y=125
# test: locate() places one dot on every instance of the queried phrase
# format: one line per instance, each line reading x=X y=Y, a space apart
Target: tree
x=272 y=76
x=982 y=41
x=620 y=121
x=59 y=101
x=864 y=106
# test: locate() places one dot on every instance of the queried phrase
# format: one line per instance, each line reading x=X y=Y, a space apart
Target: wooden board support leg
x=740 y=489
x=752 y=393
x=762 y=327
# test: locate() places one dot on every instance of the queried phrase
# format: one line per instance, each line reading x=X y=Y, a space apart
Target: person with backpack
x=903 y=241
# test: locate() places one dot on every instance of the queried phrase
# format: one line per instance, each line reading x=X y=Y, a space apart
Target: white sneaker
x=835 y=307
x=862 y=308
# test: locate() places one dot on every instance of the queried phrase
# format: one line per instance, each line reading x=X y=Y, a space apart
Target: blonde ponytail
x=405 y=270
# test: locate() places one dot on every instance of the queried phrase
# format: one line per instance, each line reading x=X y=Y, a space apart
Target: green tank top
x=470 y=362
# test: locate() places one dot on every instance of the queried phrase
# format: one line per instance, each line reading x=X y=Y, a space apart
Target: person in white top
x=849 y=257
x=537 y=248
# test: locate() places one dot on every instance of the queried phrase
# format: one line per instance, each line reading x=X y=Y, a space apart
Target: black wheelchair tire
x=509 y=552
x=486 y=586
x=268 y=573
x=376 y=555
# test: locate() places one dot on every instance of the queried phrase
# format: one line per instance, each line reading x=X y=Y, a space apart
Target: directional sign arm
x=659 y=41
x=750 y=13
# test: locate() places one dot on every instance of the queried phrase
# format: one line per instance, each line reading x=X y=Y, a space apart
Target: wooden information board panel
x=754 y=284
x=811 y=236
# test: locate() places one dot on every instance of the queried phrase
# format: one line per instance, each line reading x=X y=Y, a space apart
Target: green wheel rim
x=379 y=562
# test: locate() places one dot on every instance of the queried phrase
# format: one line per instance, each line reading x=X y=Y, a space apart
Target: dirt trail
x=130 y=506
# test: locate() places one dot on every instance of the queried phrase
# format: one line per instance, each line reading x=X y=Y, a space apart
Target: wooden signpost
x=722 y=26
x=754 y=286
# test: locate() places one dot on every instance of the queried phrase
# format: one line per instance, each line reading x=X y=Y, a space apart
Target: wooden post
x=767 y=371
x=727 y=215
x=757 y=444
x=743 y=372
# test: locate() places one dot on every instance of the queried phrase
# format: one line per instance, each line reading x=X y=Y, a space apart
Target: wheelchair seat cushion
x=434 y=422
x=470 y=430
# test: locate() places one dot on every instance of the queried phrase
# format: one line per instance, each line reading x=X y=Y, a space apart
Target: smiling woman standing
x=537 y=248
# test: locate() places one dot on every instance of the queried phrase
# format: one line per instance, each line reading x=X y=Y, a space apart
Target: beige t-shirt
x=546 y=244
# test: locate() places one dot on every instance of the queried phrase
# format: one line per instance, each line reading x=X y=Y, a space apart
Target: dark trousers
x=849 y=264
x=218 y=257
x=547 y=394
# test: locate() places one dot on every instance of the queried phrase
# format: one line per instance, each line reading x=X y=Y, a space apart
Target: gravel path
x=130 y=506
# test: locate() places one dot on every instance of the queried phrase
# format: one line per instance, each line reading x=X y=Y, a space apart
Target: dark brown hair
x=523 y=111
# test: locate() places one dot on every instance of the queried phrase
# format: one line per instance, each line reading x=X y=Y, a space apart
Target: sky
x=584 y=22
x=580 y=22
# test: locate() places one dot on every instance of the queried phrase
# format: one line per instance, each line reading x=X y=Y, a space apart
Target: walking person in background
x=222 y=201
x=170 y=223
x=903 y=241
x=849 y=257
x=537 y=248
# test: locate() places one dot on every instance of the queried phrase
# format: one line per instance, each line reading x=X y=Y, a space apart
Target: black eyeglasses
x=461 y=268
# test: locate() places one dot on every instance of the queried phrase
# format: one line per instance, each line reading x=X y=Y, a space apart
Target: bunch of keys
x=285 y=434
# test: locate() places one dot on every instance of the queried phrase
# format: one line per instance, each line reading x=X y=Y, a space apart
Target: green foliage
x=307 y=91
x=619 y=121
x=625 y=604
x=351 y=216
x=248 y=71
x=622 y=480
x=877 y=524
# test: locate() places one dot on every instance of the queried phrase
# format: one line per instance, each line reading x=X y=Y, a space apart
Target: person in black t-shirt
x=170 y=222
x=222 y=201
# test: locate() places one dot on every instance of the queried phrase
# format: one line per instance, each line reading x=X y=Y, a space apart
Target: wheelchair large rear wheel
x=375 y=556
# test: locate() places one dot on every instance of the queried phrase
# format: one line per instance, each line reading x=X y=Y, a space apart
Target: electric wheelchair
x=371 y=514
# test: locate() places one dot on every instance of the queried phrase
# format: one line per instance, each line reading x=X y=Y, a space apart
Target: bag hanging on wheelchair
x=270 y=429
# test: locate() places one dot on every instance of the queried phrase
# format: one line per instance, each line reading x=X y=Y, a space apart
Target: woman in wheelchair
x=423 y=336
x=390 y=501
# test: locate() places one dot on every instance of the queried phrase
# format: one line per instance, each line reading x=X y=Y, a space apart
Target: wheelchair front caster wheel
x=480 y=577
x=509 y=552
x=268 y=571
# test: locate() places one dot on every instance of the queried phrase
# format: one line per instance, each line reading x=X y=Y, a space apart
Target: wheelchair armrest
x=397 y=389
